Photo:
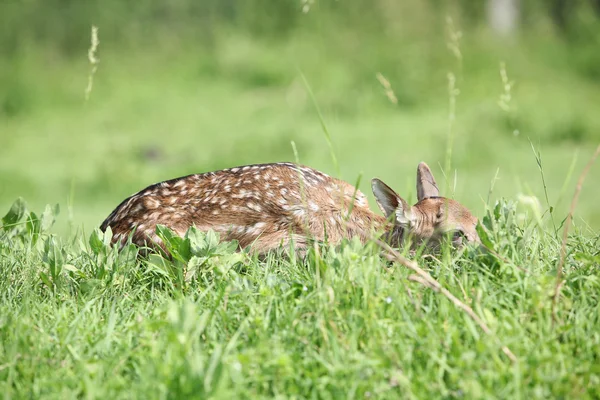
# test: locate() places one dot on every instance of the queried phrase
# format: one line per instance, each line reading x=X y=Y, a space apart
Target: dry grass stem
x=93 y=61
x=418 y=279
x=454 y=39
x=563 y=247
x=389 y=92
x=428 y=281
x=505 y=97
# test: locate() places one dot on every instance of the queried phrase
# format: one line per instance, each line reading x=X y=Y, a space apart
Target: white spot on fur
x=151 y=203
x=234 y=170
x=254 y=206
x=313 y=206
x=298 y=212
x=257 y=228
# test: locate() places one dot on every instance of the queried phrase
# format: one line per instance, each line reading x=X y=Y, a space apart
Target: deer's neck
x=366 y=225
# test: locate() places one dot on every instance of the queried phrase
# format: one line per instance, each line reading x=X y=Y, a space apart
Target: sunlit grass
x=79 y=319
x=155 y=116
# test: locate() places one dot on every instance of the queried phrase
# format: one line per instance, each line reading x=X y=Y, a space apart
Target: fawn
x=265 y=206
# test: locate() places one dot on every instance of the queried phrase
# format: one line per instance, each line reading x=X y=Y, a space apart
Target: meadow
x=155 y=114
x=507 y=125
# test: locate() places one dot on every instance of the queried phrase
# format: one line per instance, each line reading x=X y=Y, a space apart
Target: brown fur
x=264 y=206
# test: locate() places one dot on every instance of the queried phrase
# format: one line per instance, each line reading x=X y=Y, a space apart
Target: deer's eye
x=458 y=235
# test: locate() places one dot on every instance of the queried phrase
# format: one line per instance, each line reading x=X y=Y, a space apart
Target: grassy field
x=78 y=319
x=154 y=115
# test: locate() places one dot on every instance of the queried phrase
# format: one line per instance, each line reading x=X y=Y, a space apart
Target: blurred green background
x=186 y=86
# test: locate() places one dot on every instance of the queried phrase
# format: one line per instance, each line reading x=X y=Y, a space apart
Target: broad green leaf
x=15 y=214
x=48 y=217
x=96 y=241
x=107 y=237
x=197 y=241
x=497 y=209
x=169 y=238
x=33 y=224
x=175 y=244
x=53 y=256
x=483 y=235
x=156 y=263
x=212 y=239
x=128 y=254
x=45 y=279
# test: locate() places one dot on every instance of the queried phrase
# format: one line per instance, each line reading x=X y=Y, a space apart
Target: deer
x=269 y=206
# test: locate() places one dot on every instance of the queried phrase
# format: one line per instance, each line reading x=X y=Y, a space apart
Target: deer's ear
x=426 y=185
x=390 y=203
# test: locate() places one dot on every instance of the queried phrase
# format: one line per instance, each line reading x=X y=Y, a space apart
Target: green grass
x=78 y=319
x=155 y=114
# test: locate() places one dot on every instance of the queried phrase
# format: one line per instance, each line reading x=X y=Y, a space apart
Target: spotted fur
x=263 y=207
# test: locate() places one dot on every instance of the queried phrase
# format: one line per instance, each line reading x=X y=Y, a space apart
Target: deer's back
x=263 y=205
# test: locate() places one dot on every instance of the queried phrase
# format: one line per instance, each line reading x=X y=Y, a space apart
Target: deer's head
x=433 y=218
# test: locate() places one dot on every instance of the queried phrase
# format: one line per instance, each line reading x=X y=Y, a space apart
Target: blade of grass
x=428 y=281
x=323 y=125
x=563 y=247
x=538 y=160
